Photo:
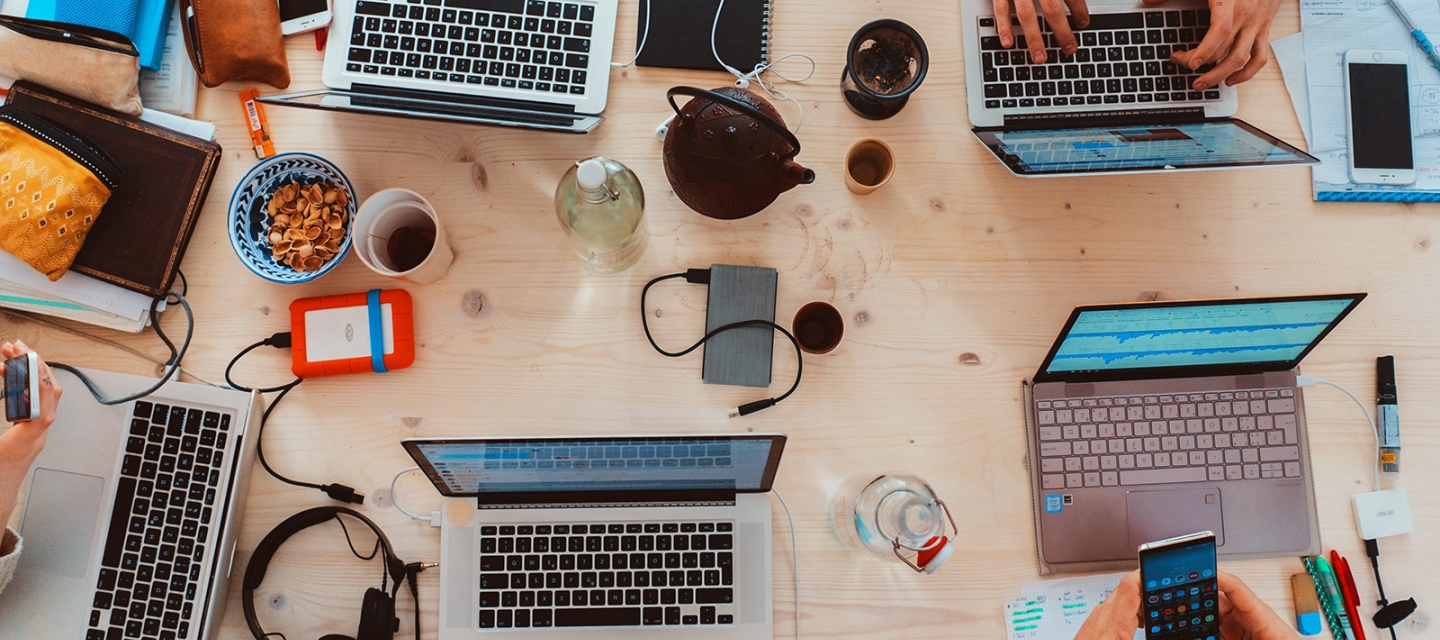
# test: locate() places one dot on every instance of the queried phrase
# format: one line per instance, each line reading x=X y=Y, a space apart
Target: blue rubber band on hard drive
x=377 y=333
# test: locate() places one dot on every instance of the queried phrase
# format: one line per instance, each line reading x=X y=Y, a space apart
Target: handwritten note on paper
x=1332 y=27
x=1055 y=609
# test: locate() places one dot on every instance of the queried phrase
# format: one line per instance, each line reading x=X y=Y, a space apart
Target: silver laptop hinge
x=594 y=505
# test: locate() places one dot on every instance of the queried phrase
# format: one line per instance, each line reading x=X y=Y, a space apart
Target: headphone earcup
x=377 y=616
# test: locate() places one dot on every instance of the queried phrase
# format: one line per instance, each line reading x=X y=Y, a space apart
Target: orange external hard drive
x=354 y=333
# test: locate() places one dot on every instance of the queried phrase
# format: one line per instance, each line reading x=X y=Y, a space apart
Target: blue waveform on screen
x=1255 y=353
x=1185 y=346
x=1126 y=336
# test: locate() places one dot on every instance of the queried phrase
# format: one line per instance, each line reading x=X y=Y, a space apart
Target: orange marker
x=259 y=127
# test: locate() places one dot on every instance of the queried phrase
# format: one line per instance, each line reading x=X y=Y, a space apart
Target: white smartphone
x=1377 y=110
x=299 y=16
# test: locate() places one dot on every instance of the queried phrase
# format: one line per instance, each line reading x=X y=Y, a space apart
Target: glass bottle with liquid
x=892 y=516
x=602 y=207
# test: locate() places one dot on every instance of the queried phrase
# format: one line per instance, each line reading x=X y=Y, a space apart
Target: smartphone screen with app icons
x=1179 y=592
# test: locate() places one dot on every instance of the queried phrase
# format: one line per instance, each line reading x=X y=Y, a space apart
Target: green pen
x=1330 y=592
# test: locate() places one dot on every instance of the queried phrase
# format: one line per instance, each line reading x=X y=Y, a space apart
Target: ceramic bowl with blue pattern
x=249 y=221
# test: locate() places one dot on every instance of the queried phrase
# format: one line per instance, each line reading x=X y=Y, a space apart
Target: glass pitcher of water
x=893 y=515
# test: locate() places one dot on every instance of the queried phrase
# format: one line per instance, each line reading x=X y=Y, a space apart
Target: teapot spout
x=793 y=175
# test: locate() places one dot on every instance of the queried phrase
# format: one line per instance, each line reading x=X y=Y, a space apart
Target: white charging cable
x=794 y=558
x=644 y=35
x=743 y=80
x=395 y=500
x=1310 y=381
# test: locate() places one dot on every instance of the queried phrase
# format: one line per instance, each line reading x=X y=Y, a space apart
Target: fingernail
x=1005 y=41
x=1200 y=86
x=1038 y=55
x=1070 y=49
x=1195 y=62
x=1084 y=23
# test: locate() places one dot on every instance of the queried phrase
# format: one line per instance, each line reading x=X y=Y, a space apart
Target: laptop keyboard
x=607 y=574
x=1123 y=59
x=533 y=45
x=1154 y=439
x=160 y=523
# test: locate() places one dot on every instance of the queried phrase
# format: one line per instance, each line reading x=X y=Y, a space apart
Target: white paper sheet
x=1332 y=27
x=76 y=287
x=1055 y=609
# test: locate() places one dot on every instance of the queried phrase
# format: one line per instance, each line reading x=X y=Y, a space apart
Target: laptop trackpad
x=60 y=516
x=1157 y=515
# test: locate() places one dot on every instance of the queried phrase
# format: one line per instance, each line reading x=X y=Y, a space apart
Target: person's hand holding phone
x=1118 y=616
x=1244 y=616
x=21 y=443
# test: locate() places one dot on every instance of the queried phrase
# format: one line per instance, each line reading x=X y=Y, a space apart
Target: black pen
x=194 y=38
x=1388 y=408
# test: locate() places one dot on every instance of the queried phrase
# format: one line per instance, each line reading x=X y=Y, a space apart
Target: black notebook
x=680 y=34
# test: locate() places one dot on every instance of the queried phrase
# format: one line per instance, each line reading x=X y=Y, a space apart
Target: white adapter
x=1379 y=514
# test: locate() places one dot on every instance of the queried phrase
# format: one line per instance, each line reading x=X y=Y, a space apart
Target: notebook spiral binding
x=765 y=35
x=1376 y=196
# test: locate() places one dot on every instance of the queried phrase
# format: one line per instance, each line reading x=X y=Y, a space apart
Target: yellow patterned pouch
x=52 y=187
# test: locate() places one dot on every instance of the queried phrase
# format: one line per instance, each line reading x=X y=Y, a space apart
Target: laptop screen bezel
x=986 y=137
x=767 y=480
x=1188 y=371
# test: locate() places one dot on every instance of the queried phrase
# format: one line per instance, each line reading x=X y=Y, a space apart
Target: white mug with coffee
x=398 y=234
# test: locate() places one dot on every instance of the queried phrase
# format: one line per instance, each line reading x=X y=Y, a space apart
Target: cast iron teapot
x=728 y=154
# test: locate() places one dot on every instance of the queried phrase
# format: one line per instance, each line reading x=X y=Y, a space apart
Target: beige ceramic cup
x=400 y=210
x=868 y=165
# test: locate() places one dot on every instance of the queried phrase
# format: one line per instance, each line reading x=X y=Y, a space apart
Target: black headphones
x=377 y=615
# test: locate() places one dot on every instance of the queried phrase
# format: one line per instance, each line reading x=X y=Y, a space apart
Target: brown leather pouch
x=235 y=40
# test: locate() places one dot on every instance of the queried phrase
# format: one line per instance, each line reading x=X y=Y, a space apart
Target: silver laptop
x=540 y=64
x=1150 y=420
x=131 y=514
x=1117 y=105
x=604 y=538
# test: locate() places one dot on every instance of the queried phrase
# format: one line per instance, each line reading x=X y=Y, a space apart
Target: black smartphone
x=1178 y=588
x=22 y=388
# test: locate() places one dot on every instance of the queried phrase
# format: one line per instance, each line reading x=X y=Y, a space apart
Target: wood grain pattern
x=953 y=279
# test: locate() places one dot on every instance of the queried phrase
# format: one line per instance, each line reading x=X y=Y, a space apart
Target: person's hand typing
x=1054 y=12
x=1118 y=616
x=21 y=443
x=1238 y=42
x=1244 y=616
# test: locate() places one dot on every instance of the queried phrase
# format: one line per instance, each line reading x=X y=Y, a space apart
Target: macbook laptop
x=131 y=514
x=1117 y=105
x=540 y=64
x=604 y=538
x=1155 y=419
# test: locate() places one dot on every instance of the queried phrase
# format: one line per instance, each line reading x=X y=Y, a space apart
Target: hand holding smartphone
x=1179 y=588
x=22 y=388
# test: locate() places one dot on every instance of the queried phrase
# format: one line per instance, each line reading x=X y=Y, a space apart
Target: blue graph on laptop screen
x=1182 y=336
x=599 y=464
x=1196 y=144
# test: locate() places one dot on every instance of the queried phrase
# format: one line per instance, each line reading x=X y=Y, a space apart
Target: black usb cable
x=702 y=276
x=283 y=340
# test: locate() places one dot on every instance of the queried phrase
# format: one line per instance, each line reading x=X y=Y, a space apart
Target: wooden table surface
x=953 y=280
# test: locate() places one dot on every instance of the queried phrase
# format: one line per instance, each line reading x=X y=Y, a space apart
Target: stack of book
x=133 y=253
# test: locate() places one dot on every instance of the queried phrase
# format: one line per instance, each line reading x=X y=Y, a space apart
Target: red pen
x=1348 y=592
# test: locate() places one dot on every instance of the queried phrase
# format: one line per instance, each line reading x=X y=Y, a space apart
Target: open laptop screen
x=568 y=466
x=1210 y=144
x=1260 y=334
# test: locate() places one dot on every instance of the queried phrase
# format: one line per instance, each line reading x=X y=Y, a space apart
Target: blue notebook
x=144 y=22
